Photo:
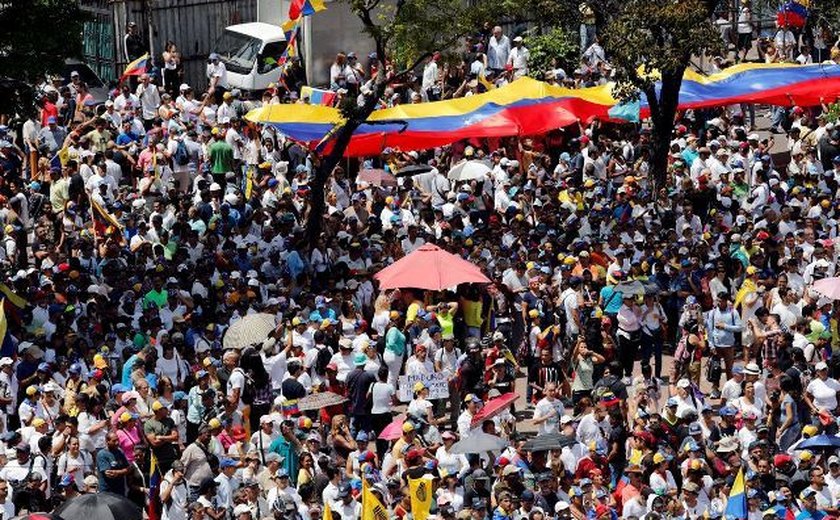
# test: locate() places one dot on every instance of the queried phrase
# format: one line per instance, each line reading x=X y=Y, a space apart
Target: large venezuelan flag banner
x=528 y=107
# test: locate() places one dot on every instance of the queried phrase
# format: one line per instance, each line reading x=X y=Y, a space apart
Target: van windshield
x=238 y=51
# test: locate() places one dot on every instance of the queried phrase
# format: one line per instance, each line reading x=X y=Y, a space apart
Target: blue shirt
x=126 y=372
x=105 y=460
x=285 y=449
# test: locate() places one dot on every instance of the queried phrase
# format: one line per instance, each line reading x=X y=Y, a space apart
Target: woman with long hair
x=252 y=364
x=74 y=461
x=172 y=70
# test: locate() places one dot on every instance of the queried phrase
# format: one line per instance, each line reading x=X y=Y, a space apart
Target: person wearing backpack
x=178 y=151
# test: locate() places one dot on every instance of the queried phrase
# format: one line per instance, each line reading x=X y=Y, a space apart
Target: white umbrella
x=828 y=287
x=479 y=442
x=250 y=330
x=469 y=170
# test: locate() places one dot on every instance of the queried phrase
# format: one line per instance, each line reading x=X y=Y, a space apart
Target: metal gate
x=98 y=39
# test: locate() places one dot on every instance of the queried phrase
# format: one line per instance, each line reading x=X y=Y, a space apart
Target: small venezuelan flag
x=300 y=8
x=318 y=96
x=736 y=506
x=137 y=67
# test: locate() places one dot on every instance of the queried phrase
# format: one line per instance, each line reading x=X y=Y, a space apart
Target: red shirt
x=49 y=110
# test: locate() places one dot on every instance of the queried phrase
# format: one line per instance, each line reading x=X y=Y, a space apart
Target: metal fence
x=98 y=39
x=193 y=25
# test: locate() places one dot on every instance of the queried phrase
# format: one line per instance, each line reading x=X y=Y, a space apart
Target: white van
x=250 y=52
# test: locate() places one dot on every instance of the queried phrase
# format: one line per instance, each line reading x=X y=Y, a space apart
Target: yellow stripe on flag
x=327 y=511
x=16 y=300
x=4 y=323
x=421 y=497
x=110 y=219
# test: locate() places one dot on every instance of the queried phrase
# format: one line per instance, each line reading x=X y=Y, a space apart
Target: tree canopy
x=38 y=36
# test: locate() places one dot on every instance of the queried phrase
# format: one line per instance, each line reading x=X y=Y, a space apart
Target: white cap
x=683 y=383
x=561 y=505
x=215 y=187
x=752 y=369
x=821 y=366
x=566 y=419
x=241 y=509
x=752 y=137
x=266 y=419
x=6 y=361
x=183 y=87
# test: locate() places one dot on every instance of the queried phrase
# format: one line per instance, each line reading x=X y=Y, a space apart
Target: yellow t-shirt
x=472 y=312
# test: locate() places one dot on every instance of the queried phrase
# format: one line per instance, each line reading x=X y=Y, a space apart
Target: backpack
x=322 y=360
x=248 y=389
x=181 y=157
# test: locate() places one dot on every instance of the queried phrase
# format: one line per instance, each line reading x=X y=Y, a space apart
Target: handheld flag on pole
x=736 y=506
x=372 y=508
x=137 y=67
x=154 y=509
x=4 y=323
x=421 y=497
x=300 y=8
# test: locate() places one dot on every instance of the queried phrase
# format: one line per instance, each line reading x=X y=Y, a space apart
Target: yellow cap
x=407 y=427
x=325 y=324
x=534 y=313
x=389 y=200
x=658 y=458
x=31 y=390
x=419 y=386
x=529 y=265
x=215 y=131
x=394 y=315
x=806 y=456
x=214 y=423
x=296 y=321
x=696 y=464
x=809 y=431
x=157 y=405
x=751 y=270
x=38 y=422
x=570 y=260
x=824 y=204
x=520 y=217
x=125 y=417
x=99 y=361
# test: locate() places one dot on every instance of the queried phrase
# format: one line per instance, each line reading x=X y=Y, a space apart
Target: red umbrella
x=394 y=430
x=494 y=407
x=377 y=177
x=429 y=267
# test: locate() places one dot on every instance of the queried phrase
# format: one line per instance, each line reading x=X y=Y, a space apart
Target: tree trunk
x=663 y=110
x=325 y=166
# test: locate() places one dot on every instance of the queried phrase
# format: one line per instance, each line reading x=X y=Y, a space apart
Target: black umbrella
x=100 y=506
x=548 y=441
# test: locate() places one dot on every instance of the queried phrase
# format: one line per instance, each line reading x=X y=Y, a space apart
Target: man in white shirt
x=217 y=77
x=431 y=79
x=518 y=58
x=548 y=410
x=149 y=96
x=498 y=49
x=591 y=426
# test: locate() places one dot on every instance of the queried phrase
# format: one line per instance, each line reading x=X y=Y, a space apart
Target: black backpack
x=249 y=392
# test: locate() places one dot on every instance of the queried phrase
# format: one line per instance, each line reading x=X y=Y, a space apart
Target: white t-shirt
x=824 y=392
x=382 y=394
x=546 y=408
x=236 y=380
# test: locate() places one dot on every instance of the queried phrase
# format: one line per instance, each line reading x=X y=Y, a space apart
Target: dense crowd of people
x=665 y=336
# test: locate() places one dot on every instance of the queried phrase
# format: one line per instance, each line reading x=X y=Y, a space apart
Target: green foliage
x=658 y=35
x=833 y=113
x=560 y=44
x=37 y=36
x=409 y=29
